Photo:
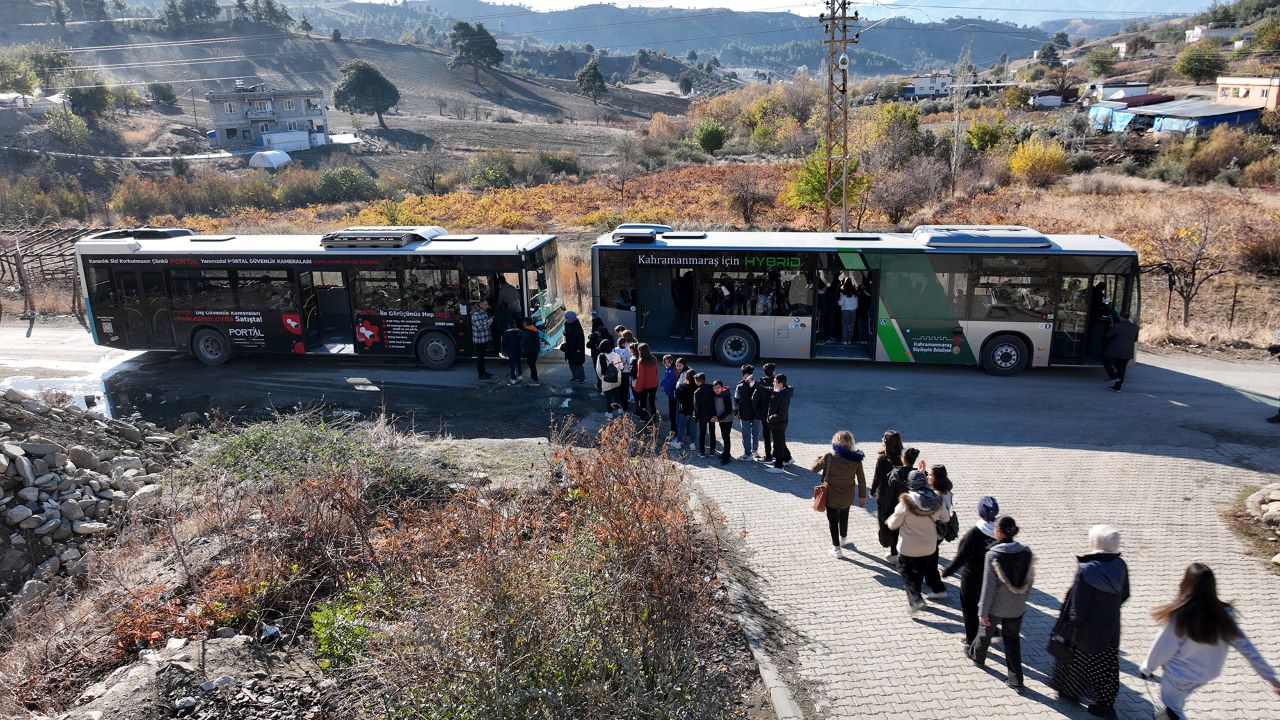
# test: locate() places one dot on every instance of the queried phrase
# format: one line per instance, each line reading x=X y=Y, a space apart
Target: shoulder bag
x=820 y=491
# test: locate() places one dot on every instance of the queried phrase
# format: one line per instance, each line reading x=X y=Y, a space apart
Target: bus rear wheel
x=436 y=351
x=1005 y=355
x=735 y=346
x=210 y=346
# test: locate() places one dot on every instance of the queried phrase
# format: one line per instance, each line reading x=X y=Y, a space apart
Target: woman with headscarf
x=1086 y=639
x=968 y=562
x=1197 y=631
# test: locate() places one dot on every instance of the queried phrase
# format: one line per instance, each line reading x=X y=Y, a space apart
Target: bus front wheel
x=735 y=346
x=1005 y=355
x=436 y=351
x=210 y=346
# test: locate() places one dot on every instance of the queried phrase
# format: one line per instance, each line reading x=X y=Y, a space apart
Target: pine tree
x=305 y=26
x=591 y=81
x=59 y=12
x=365 y=90
x=473 y=45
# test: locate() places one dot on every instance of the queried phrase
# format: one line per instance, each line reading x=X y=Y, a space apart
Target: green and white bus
x=1002 y=297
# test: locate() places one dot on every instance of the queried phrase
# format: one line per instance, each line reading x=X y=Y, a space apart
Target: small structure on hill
x=270 y=159
x=1249 y=91
x=270 y=118
x=1208 y=32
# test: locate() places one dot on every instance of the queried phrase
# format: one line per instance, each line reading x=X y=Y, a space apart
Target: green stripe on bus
x=887 y=329
x=852 y=261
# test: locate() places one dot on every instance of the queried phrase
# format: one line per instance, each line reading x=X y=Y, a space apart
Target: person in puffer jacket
x=1008 y=574
x=914 y=518
x=846 y=482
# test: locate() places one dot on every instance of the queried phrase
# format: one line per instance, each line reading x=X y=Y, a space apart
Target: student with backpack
x=761 y=401
x=704 y=409
x=609 y=370
x=724 y=418
x=968 y=561
x=531 y=348
x=686 y=410
x=669 y=378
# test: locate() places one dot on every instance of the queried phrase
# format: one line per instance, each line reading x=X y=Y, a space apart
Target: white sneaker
x=891 y=556
x=941 y=595
x=835 y=553
x=515 y=381
x=775 y=470
x=912 y=609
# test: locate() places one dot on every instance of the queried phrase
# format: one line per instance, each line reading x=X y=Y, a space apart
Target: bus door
x=664 y=301
x=832 y=338
x=1071 y=320
x=143 y=305
x=309 y=302
x=330 y=320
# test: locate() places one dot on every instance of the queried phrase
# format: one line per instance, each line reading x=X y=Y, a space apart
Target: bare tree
x=1197 y=247
x=442 y=103
x=898 y=193
x=627 y=153
x=428 y=171
x=747 y=193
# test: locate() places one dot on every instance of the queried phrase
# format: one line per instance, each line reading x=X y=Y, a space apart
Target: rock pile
x=1265 y=506
x=216 y=678
x=67 y=479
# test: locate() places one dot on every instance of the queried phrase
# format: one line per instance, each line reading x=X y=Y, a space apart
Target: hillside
x=624 y=30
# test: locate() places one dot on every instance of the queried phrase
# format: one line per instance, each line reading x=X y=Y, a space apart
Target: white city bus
x=1003 y=297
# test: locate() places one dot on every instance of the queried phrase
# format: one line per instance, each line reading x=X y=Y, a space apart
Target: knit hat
x=988 y=508
x=570 y=316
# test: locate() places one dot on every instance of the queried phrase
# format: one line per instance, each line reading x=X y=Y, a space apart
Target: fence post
x=1234 y=292
x=28 y=304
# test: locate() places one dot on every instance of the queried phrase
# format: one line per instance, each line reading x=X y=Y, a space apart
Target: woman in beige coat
x=842 y=474
x=914 y=519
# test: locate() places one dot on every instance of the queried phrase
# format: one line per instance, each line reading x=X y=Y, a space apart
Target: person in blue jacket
x=667 y=381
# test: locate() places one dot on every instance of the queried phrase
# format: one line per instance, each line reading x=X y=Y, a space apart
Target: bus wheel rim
x=1005 y=355
x=210 y=346
x=436 y=350
x=734 y=348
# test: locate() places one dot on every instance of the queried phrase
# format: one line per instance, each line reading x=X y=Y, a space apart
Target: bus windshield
x=546 y=302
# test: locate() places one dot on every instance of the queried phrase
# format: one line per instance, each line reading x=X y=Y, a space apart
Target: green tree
x=590 y=81
x=1015 y=97
x=58 y=12
x=473 y=45
x=1101 y=61
x=336 y=35
x=171 y=14
x=197 y=12
x=48 y=61
x=305 y=26
x=1048 y=54
x=179 y=165
x=67 y=127
x=365 y=90
x=895 y=135
x=125 y=97
x=89 y=96
x=1200 y=62
x=16 y=75
x=346 y=183
x=1267 y=37
x=710 y=136
x=163 y=93
x=119 y=7
x=1061 y=39
x=983 y=135
x=808 y=186
x=686 y=83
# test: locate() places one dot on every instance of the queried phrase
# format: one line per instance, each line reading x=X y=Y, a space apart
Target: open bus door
x=143 y=305
x=327 y=318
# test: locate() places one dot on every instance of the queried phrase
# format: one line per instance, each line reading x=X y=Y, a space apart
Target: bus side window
x=265 y=290
x=434 y=291
x=617 y=275
x=202 y=289
x=101 y=292
x=378 y=290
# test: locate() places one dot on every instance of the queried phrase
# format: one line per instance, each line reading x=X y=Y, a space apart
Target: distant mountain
x=1095 y=28
x=774 y=40
x=1038 y=11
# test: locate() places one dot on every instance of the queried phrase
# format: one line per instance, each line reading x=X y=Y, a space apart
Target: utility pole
x=836 y=21
x=194 y=114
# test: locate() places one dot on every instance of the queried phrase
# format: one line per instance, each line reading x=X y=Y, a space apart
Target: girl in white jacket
x=1192 y=645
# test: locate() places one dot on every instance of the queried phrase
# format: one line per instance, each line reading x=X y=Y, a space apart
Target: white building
x=934 y=84
x=1206 y=32
x=268 y=118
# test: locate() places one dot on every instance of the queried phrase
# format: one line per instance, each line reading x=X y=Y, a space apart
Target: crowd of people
x=915 y=515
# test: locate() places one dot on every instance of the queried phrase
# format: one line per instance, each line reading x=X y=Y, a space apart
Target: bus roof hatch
x=981 y=236
x=380 y=237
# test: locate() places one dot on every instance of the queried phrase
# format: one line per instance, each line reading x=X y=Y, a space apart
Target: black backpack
x=608 y=373
x=949 y=530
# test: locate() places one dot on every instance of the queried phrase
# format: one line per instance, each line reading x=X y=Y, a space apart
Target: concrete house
x=934 y=85
x=1206 y=32
x=1259 y=92
x=268 y=118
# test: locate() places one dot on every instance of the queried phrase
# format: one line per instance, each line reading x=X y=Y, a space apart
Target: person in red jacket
x=645 y=383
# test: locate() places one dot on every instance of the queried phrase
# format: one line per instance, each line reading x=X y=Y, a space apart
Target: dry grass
x=1100 y=182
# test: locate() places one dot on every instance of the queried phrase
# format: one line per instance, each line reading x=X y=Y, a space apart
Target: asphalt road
x=1185 y=402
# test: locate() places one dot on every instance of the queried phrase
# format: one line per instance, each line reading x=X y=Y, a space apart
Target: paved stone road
x=1061 y=453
